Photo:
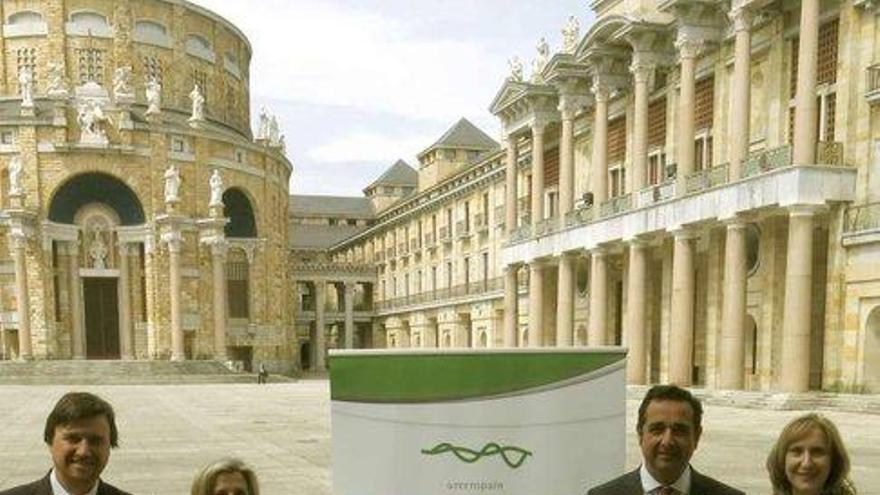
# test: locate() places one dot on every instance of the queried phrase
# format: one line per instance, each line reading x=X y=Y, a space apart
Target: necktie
x=666 y=490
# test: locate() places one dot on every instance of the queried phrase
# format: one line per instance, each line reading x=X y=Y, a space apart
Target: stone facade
x=100 y=236
x=692 y=182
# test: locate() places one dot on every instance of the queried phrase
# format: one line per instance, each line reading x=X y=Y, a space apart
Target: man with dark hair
x=80 y=431
x=669 y=428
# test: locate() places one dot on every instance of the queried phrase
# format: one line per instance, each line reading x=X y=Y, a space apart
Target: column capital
x=804 y=210
x=742 y=18
x=219 y=249
x=601 y=91
x=684 y=234
x=538 y=126
x=641 y=69
x=688 y=45
x=125 y=248
x=569 y=104
x=173 y=239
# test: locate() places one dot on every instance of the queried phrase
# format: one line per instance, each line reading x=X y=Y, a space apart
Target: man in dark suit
x=669 y=428
x=80 y=431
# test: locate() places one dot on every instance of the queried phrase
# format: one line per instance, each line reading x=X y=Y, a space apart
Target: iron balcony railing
x=444 y=234
x=457 y=291
x=521 y=233
x=861 y=218
x=829 y=153
x=579 y=216
x=546 y=226
x=707 y=178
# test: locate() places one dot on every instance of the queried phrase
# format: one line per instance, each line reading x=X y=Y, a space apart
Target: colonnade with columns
x=794 y=370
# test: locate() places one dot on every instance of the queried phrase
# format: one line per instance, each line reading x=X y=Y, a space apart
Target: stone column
x=795 y=368
x=126 y=333
x=537 y=172
x=349 y=316
x=681 y=341
x=78 y=334
x=741 y=92
x=536 y=305
x=733 y=318
x=641 y=72
x=636 y=334
x=218 y=268
x=568 y=105
x=511 y=305
x=175 y=242
x=599 y=162
x=806 y=109
x=598 y=298
x=687 y=51
x=510 y=196
x=565 y=302
x=320 y=343
x=18 y=242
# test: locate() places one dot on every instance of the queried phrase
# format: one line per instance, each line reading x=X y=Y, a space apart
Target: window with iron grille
x=153 y=68
x=704 y=96
x=90 y=65
x=826 y=69
x=26 y=57
x=237 y=289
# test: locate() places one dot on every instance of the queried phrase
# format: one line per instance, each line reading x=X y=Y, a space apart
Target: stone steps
x=84 y=372
x=779 y=401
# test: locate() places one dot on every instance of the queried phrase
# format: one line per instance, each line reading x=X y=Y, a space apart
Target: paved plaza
x=167 y=432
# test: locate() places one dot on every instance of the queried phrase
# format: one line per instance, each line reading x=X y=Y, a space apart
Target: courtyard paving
x=283 y=430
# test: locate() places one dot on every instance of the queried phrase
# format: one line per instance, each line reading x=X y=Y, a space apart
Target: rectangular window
x=238 y=300
x=153 y=68
x=90 y=65
x=656 y=164
x=200 y=78
x=26 y=57
x=448 y=274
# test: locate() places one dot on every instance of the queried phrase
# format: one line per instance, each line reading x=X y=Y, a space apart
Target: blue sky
x=358 y=84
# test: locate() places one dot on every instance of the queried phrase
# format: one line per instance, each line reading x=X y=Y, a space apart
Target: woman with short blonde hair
x=809 y=458
x=227 y=476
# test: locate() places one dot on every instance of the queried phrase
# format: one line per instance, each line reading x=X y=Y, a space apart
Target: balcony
x=829 y=153
x=483 y=288
x=462 y=230
x=765 y=161
x=547 y=226
x=390 y=253
x=776 y=189
x=862 y=218
x=615 y=205
x=481 y=223
x=873 y=84
x=521 y=233
x=429 y=241
x=706 y=178
x=655 y=193
x=579 y=216
x=445 y=236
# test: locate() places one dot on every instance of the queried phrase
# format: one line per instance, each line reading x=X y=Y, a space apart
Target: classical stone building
x=694 y=180
x=140 y=217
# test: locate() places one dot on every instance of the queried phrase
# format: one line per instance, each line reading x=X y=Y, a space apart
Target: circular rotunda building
x=141 y=219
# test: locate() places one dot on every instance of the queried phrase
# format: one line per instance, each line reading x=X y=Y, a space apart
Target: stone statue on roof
x=540 y=61
x=571 y=33
x=263 y=129
x=516 y=69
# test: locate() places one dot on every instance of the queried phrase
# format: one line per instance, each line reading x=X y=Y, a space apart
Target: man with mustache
x=80 y=431
x=669 y=428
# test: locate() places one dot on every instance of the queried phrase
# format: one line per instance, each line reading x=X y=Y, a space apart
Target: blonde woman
x=809 y=458
x=226 y=477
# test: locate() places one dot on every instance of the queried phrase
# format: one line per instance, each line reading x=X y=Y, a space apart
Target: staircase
x=83 y=372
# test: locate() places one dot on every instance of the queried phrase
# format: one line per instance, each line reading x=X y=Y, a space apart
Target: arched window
x=89 y=23
x=96 y=187
x=237 y=208
x=25 y=23
x=151 y=32
x=199 y=46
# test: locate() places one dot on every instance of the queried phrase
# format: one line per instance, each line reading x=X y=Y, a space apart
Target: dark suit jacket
x=44 y=487
x=631 y=484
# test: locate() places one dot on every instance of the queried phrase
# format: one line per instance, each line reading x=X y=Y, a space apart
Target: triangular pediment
x=511 y=92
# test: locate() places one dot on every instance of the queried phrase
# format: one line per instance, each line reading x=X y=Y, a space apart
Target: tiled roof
x=399 y=174
x=303 y=205
x=320 y=236
x=464 y=134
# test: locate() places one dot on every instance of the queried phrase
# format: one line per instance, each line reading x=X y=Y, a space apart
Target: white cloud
x=369 y=147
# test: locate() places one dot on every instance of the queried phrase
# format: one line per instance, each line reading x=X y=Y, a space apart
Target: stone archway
x=88 y=212
x=238 y=208
x=871 y=370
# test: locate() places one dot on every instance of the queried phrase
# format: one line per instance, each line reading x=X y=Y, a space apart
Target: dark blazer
x=631 y=484
x=44 y=487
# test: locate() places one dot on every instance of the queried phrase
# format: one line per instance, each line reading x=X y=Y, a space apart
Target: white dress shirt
x=651 y=486
x=58 y=488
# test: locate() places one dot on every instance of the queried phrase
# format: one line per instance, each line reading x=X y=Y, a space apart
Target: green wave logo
x=514 y=457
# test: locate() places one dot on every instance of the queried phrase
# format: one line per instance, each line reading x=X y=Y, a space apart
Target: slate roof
x=464 y=134
x=399 y=174
x=320 y=236
x=311 y=205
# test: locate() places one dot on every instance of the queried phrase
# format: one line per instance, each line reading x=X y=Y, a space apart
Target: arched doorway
x=102 y=272
x=871 y=370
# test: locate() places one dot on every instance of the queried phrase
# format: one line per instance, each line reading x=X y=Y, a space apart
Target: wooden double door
x=101 y=299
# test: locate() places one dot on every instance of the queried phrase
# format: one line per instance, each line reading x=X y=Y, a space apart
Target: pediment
x=511 y=92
